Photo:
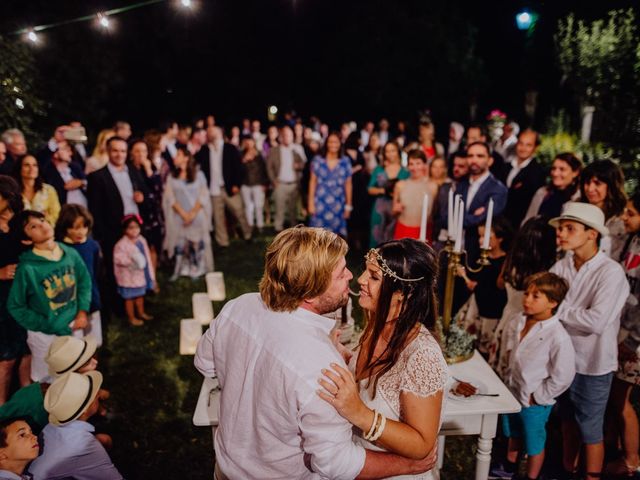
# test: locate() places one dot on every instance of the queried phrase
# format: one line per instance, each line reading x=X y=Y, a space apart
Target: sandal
x=621 y=469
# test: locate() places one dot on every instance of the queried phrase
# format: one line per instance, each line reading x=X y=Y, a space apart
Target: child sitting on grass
x=51 y=293
x=18 y=447
x=66 y=354
x=70 y=448
x=541 y=367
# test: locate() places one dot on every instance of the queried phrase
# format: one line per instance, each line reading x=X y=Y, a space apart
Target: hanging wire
x=85 y=18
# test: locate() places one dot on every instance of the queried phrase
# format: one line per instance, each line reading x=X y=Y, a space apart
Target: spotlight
x=186 y=3
x=32 y=36
x=103 y=20
x=273 y=110
x=526 y=20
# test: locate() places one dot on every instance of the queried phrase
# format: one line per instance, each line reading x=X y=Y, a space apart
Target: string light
x=32 y=36
x=103 y=20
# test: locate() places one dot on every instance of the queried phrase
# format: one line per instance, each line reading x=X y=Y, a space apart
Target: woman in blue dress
x=330 y=188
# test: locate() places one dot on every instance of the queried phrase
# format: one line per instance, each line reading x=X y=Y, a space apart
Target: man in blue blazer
x=476 y=191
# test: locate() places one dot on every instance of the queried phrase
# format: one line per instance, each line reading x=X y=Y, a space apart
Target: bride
x=393 y=391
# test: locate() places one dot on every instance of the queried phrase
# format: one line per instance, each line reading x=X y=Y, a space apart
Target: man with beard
x=267 y=350
x=476 y=191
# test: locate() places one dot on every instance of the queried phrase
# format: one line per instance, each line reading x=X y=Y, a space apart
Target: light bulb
x=103 y=20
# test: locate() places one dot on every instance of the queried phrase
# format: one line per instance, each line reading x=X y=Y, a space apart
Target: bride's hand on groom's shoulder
x=340 y=390
x=344 y=352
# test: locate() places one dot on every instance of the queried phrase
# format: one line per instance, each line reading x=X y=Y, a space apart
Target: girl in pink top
x=132 y=268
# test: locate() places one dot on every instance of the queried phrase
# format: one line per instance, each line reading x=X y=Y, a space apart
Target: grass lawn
x=154 y=389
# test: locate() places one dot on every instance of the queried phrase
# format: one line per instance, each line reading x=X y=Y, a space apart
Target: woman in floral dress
x=330 y=188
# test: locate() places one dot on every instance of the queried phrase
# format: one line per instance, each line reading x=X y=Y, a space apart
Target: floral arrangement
x=497 y=119
x=497 y=116
x=457 y=345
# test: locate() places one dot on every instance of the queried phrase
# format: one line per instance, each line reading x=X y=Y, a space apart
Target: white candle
x=423 y=219
x=458 y=245
x=456 y=210
x=487 y=225
x=450 y=216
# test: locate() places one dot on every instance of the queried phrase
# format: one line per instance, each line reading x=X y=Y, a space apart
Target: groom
x=267 y=350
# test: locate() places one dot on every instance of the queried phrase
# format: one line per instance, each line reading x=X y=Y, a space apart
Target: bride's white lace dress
x=420 y=369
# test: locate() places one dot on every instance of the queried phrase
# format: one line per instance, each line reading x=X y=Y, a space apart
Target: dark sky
x=341 y=59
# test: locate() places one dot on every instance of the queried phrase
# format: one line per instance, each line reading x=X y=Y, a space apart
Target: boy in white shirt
x=541 y=367
x=591 y=315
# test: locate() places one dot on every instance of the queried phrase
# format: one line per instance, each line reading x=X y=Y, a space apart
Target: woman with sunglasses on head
x=394 y=387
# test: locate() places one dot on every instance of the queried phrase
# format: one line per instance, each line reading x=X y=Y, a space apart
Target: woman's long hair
x=324 y=149
x=408 y=258
x=533 y=251
x=610 y=173
x=192 y=167
x=17 y=173
x=10 y=191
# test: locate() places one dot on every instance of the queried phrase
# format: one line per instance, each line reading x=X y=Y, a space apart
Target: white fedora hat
x=68 y=353
x=584 y=213
x=70 y=395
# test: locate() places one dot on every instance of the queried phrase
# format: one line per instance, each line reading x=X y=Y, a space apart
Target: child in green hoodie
x=51 y=293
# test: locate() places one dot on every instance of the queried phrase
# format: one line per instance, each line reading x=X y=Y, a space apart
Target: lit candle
x=487 y=225
x=423 y=220
x=450 y=216
x=458 y=245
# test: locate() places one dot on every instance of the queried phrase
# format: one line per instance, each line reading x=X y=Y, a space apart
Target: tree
x=20 y=100
x=600 y=61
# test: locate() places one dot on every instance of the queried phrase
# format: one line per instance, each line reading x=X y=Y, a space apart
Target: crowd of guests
x=81 y=234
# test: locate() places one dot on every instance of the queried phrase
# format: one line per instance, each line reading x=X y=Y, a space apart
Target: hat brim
x=92 y=346
x=555 y=222
x=96 y=383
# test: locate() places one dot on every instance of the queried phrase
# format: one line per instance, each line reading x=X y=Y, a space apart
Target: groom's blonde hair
x=298 y=265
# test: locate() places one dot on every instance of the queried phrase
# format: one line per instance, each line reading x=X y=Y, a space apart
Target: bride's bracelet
x=376 y=416
x=380 y=428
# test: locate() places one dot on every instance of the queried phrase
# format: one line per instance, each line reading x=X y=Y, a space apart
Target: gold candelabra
x=454 y=260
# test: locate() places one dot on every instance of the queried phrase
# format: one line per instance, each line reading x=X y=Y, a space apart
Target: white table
x=206 y=414
x=478 y=416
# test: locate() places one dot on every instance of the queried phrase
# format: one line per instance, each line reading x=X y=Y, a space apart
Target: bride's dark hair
x=409 y=259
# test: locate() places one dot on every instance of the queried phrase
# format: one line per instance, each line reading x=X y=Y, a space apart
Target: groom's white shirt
x=272 y=424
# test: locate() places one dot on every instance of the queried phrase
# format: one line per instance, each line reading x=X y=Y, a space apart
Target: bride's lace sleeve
x=426 y=371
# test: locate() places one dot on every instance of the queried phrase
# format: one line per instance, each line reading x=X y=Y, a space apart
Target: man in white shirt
x=267 y=351
x=284 y=167
x=222 y=167
x=524 y=176
x=591 y=315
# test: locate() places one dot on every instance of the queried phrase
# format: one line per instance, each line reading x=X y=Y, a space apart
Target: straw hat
x=67 y=354
x=70 y=395
x=584 y=213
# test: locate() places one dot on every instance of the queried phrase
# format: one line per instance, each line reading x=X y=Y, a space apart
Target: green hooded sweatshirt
x=46 y=295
